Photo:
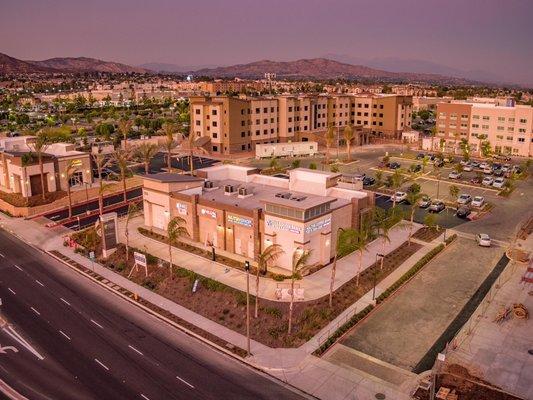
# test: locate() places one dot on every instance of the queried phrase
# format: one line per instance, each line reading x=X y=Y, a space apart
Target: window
x=381 y=106
x=464 y=116
x=521 y=130
x=265 y=110
x=197 y=123
x=500 y=128
x=381 y=115
x=257 y=121
x=214 y=123
x=242 y=123
x=197 y=111
x=215 y=135
x=290 y=109
x=509 y=138
x=243 y=134
x=511 y=120
x=475 y=117
x=521 y=139
x=475 y=125
x=501 y=119
x=499 y=137
x=486 y=118
x=257 y=132
x=215 y=148
x=243 y=147
x=257 y=110
x=523 y=120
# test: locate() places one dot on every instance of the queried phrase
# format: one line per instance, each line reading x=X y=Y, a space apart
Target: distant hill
x=173 y=68
x=12 y=66
x=321 y=68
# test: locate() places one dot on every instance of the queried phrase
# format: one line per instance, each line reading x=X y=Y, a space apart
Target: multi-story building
x=238 y=211
x=507 y=129
x=250 y=121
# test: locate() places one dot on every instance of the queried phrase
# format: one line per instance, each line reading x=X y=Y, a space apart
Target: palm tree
x=344 y=239
x=330 y=138
x=192 y=145
x=101 y=161
x=147 y=151
x=396 y=180
x=269 y=255
x=124 y=127
x=71 y=168
x=133 y=210
x=122 y=157
x=169 y=129
x=39 y=146
x=175 y=229
x=413 y=198
x=384 y=220
x=300 y=257
x=361 y=244
x=348 y=137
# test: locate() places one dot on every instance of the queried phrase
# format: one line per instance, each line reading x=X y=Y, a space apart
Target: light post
x=375 y=274
x=338 y=140
x=247 y=269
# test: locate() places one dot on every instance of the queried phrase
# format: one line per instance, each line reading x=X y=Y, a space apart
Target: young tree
x=360 y=245
x=175 y=229
x=430 y=220
x=330 y=138
x=340 y=248
x=425 y=162
x=413 y=198
x=348 y=137
x=147 y=151
x=265 y=258
x=396 y=181
x=124 y=127
x=379 y=178
x=133 y=210
x=192 y=145
x=170 y=143
x=454 y=192
x=43 y=140
x=300 y=258
x=69 y=171
x=101 y=161
x=122 y=157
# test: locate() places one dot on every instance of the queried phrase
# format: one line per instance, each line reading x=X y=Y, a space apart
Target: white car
x=484 y=165
x=498 y=183
x=467 y=168
x=483 y=240
x=478 y=201
x=487 y=181
x=399 y=197
x=506 y=168
x=454 y=175
x=487 y=171
x=464 y=199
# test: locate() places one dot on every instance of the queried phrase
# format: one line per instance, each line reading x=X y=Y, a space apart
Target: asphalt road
x=97 y=346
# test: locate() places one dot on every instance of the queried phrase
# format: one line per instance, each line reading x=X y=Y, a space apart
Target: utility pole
x=247 y=269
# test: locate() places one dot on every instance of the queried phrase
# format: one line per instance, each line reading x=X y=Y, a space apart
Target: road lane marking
x=11 y=290
x=39 y=282
x=97 y=324
x=64 y=334
x=102 y=364
x=1 y=255
x=17 y=267
x=134 y=349
x=15 y=335
x=144 y=397
x=64 y=301
x=184 y=381
x=35 y=311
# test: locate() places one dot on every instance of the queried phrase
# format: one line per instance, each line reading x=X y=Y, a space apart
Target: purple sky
x=490 y=35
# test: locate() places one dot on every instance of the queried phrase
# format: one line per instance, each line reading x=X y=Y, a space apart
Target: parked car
x=467 y=167
x=420 y=156
x=496 y=166
x=476 y=180
x=474 y=164
x=368 y=181
x=483 y=240
x=498 y=183
x=399 y=197
x=454 y=175
x=506 y=167
x=415 y=168
x=464 y=162
x=425 y=202
x=439 y=163
x=487 y=181
x=478 y=201
x=484 y=165
x=463 y=212
x=516 y=169
x=464 y=199
x=498 y=172
x=437 y=206
x=394 y=165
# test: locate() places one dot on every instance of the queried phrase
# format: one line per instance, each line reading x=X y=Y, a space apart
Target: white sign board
x=140 y=259
x=91 y=255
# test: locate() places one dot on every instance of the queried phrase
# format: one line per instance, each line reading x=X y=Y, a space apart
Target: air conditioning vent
x=244 y=192
x=285 y=195
x=229 y=189
x=208 y=184
x=299 y=198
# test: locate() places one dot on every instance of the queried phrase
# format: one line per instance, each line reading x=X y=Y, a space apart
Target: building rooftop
x=168 y=177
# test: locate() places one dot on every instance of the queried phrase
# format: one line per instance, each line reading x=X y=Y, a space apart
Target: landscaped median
x=227 y=306
x=389 y=291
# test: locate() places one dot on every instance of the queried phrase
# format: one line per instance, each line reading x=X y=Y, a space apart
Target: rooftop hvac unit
x=299 y=198
x=244 y=192
x=208 y=184
x=286 y=195
x=229 y=189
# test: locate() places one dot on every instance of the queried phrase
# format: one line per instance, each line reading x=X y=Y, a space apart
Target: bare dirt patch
x=427 y=234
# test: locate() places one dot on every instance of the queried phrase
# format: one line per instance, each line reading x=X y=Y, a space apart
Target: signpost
x=140 y=261
x=108 y=223
x=92 y=257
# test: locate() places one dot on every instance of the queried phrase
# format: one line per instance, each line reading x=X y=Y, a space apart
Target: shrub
x=274 y=311
x=312 y=166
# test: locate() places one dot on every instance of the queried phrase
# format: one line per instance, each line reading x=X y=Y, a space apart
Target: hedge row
x=414 y=269
x=361 y=314
x=343 y=329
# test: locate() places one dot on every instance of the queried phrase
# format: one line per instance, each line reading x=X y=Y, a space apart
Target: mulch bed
x=427 y=234
x=17 y=200
x=227 y=306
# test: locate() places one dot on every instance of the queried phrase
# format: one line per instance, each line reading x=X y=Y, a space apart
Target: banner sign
x=140 y=259
x=234 y=219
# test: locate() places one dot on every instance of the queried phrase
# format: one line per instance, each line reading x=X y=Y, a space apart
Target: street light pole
x=375 y=274
x=247 y=269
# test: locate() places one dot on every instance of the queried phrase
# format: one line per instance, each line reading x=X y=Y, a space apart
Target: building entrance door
x=76 y=179
x=35 y=184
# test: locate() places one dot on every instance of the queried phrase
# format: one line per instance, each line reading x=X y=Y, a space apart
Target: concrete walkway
x=315 y=285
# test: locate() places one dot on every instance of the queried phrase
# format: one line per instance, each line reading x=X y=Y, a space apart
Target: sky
x=490 y=35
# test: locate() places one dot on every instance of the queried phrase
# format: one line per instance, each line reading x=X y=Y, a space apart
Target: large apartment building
x=508 y=129
x=237 y=124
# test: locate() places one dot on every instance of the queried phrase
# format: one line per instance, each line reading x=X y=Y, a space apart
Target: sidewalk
x=315 y=285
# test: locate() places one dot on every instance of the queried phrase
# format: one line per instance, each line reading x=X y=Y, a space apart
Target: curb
x=11 y=393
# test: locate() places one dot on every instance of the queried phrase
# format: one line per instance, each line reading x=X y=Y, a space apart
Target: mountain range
x=13 y=66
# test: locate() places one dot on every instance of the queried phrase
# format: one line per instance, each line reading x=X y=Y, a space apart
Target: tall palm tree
x=122 y=157
x=69 y=171
x=330 y=138
x=360 y=244
x=343 y=244
x=39 y=146
x=124 y=127
x=175 y=229
x=413 y=198
x=101 y=161
x=348 y=137
x=300 y=257
x=169 y=129
x=147 y=151
x=192 y=146
x=267 y=256
x=133 y=210
x=396 y=180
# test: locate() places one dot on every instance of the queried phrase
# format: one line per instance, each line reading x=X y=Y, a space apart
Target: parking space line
x=11 y=290
x=102 y=364
x=184 y=381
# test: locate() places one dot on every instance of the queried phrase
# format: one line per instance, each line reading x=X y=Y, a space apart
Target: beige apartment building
x=508 y=129
x=238 y=124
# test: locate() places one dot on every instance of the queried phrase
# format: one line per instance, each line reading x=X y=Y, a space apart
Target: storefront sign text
x=315 y=226
x=283 y=226
x=234 y=219
x=207 y=212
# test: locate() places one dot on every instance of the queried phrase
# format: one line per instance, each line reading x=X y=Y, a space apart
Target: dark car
x=439 y=163
x=496 y=166
x=463 y=212
x=437 y=206
x=394 y=165
x=474 y=164
x=425 y=202
x=415 y=168
x=498 y=172
x=368 y=181
x=420 y=156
